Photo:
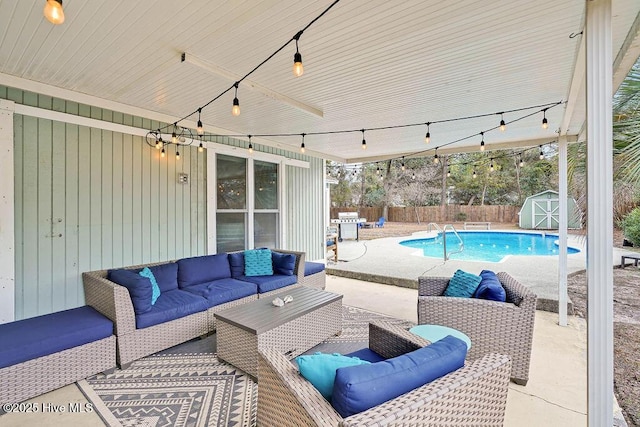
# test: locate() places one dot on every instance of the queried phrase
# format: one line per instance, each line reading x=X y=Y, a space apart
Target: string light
x=162 y=154
x=521 y=162
x=298 y=69
x=200 y=129
x=200 y=147
x=364 y=142
x=482 y=142
x=474 y=174
x=159 y=141
x=174 y=137
x=53 y=11
x=491 y=168
x=402 y=167
x=177 y=155
x=436 y=160
x=250 y=146
x=541 y=153
x=427 y=137
x=235 y=110
x=503 y=125
x=302 y=149
x=413 y=175
x=448 y=172
x=545 y=122
x=378 y=170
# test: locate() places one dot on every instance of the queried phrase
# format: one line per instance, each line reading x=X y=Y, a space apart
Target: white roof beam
x=627 y=55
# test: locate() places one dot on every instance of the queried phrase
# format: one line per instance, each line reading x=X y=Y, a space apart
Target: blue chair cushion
x=462 y=284
x=313 y=268
x=155 y=290
x=166 y=276
x=270 y=283
x=283 y=264
x=320 y=369
x=140 y=288
x=331 y=242
x=366 y=354
x=43 y=335
x=236 y=262
x=257 y=262
x=223 y=290
x=358 y=388
x=490 y=287
x=171 y=305
x=203 y=269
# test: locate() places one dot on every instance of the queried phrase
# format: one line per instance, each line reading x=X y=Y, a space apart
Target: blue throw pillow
x=462 y=284
x=155 y=289
x=236 y=263
x=283 y=263
x=257 y=262
x=490 y=287
x=358 y=388
x=320 y=369
x=140 y=289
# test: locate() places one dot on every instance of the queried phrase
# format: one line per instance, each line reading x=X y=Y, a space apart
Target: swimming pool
x=491 y=246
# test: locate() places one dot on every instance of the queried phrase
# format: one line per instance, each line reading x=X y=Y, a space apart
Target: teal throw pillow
x=320 y=369
x=462 y=284
x=257 y=262
x=155 y=289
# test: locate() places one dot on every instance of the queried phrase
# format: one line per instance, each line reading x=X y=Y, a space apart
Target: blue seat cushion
x=236 y=263
x=462 y=284
x=320 y=369
x=283 y=264
x=139 y=287
x=358 y=388
x=490 y=287
x=203 y=269
x=270 y=283
x=366 y=354
x=313 y=268
x=223 y=290
x=171 y=305
x=166 y=275
x=28 y=339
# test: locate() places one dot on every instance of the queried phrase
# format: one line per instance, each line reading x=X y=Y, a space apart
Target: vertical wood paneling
x=58 y=217
x=18 y=157
x=45 y=221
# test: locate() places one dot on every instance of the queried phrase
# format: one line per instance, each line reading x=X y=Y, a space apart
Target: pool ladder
x=446 y=255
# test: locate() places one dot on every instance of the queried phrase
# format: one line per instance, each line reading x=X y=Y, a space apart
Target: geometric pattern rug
x=196 y=389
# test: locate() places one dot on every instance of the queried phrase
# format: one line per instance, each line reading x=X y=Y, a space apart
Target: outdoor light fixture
x=521 y=161
x=491 y=168
x=545 y=122
x=159 y=142
x=162 y=153
x=541 y=153
x=235 y=110
x=482 y=141
x=474 y=174
x=177 y=155
x=436 y=160
x=503 y=125
x=302 y=149
x=402 y=167
x=250 y=145
x=200 y=147
x=179 y=136
x=427 y=137
x=53 y=11
x=378 y=170
x=364 y=142
x=200 y=129
x=448 y=172
x=413 y=175
x=298 y=69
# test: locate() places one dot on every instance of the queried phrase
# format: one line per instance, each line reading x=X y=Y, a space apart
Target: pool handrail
x=444 y=240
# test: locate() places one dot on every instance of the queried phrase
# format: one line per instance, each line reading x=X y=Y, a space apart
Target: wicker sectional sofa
x=192 y=290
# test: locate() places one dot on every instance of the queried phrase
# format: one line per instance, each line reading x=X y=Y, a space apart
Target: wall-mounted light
x=53 y=11
x=235 y=110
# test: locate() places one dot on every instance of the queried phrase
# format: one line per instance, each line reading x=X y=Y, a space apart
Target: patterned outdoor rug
x=196 y=389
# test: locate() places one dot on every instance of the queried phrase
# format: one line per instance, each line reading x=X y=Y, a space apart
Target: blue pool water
x=489 y=246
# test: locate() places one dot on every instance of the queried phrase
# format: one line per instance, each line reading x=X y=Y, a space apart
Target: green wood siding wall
x=88 y=199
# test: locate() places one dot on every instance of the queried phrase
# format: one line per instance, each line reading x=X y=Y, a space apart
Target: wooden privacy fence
x=439 y=214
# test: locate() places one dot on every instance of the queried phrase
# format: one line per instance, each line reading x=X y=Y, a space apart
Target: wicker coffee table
x=310 y=318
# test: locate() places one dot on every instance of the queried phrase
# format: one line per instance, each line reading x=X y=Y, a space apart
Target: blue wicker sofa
x=46 y=352
x=191 y=291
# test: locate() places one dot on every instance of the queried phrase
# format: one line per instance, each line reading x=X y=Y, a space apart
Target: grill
x=348 y=224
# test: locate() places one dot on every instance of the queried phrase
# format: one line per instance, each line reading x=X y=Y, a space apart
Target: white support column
x=7 y=231
x=212 y=197
x=600 y=213
x=562 y=231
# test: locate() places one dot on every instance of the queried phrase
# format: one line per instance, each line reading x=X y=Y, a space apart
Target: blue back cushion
x=490 y=287
x=462 y=284
x=312 y=268
x=43 y=335
x=283 y=263
x=166 y=275
x=236 y=262
x=320 y=369
x=155 y=290
x=197 y=270
x=358 y=388
x=140 y=288
x=257 y=262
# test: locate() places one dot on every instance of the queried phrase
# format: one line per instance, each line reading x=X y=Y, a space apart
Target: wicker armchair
x=493 y=327
x=473 y=395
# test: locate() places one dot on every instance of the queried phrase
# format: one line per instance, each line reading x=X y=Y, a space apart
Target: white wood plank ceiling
x=368 y=63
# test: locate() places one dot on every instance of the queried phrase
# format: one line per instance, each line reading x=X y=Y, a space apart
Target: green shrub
x=631 y=227
x=462 y=216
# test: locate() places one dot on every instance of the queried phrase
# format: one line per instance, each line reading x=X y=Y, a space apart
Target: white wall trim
x=7 y=214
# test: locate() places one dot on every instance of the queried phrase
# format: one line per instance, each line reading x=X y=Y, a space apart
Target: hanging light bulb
x=298 y=69
x=159 y=142
x=200 y=147
x=521 y=162
x=378 y=170
x=436 y=160
x=53 y=11
x=177 y=155
x=503 y=125
x=427 y=136
x=302 y=149
x=545 y=122
x=474 y=174
x=235 y=110
x=174 y=136
x=364 y=142
x=491 y=168
x=250 y=145
x=448 y=172
x=541 y=153
x=200 y=129
x=413 y=175
x=402 y=167
x=482 y=141
x=162 y=154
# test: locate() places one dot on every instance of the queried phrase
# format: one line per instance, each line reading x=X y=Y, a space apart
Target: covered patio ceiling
x=368 y=64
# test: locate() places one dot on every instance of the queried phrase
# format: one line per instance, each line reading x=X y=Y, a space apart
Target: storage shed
x=541 y=211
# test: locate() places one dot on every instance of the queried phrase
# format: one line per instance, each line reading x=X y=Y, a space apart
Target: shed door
x=545 y=213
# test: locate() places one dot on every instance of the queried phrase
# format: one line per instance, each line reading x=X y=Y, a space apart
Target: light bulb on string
x=200 y=146
x=177 y=155
x=378 y=170
x=503 y=125
x=200 y=129
x=174 y=136
x=448 y=172
x=302 y=148
x=402 y=167
x=475 y=175
x=545 y=122
x=521 y=161
x=159 y=141
x=427 y=136
x=482 y=141
x=53 y=11
x=162 y=154
x=364 y=142
x=491 y=168
x=235 y=110
x=436 y=160
x=250 y=145
x=298 y=68
x=413 y=175
x=541 y=153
